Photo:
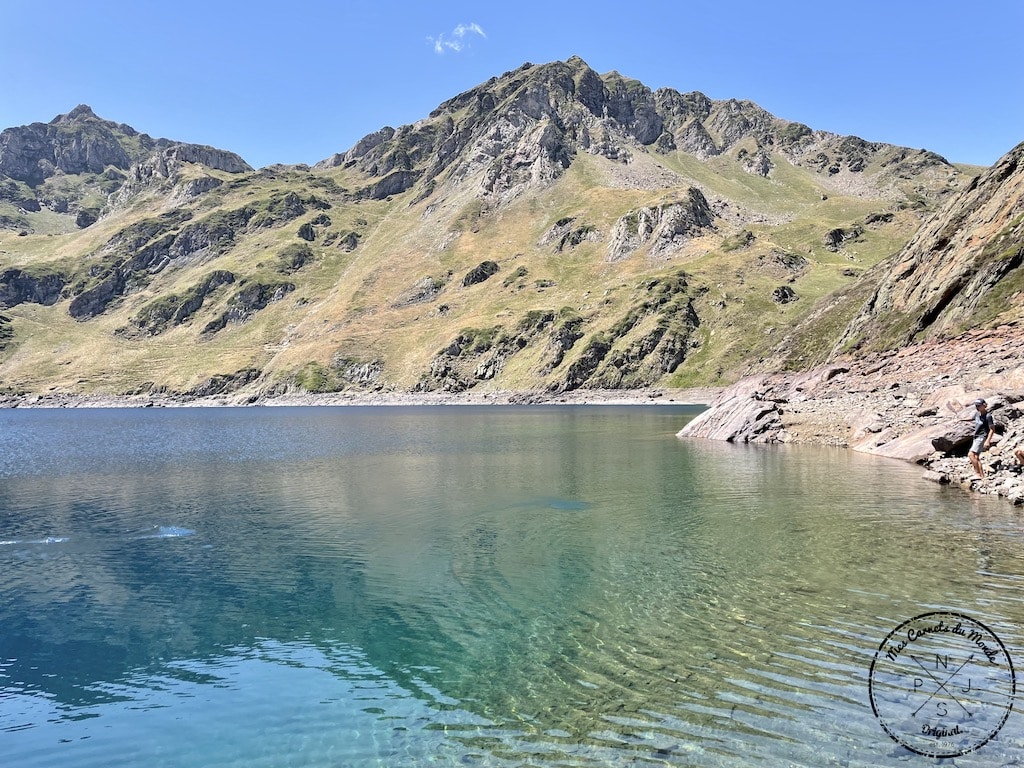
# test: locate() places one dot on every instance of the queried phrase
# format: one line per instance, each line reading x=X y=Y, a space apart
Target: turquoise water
x=513 y=586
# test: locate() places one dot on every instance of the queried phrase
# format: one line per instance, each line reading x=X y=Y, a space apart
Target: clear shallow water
x=540 y=586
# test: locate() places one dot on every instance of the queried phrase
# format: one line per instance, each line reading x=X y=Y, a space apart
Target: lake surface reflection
x=551 y=585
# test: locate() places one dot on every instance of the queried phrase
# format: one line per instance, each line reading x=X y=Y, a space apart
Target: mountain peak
x=79 y=113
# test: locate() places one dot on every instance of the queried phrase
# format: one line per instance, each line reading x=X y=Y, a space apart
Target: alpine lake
x=490 y=586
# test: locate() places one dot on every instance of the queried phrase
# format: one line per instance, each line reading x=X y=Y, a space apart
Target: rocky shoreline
x=913 y=404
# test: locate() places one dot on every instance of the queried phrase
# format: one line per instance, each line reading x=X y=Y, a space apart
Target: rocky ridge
x=551 y=229
x=962 y=267
x=82 y=165
x=523 y=130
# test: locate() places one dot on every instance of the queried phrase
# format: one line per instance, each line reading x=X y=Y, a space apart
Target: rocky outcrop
x=356 y=372
x=149 y=247
x=223 y=383
x=346 y=241
x=425 y=289
x=294 y=257
x=781 y=264
x=664 y=228
x=173 y=310
x=460 y=365
x=650 y=340
x=82 y=143
x=834 y=239
x=479 y=273
x=480 y=354
x=247 y=301
x=566 y=330
x=784 y=295
x=86 y=218
x=193 y=188
x=567 y=234
x=747 y=412
x=18 y=286
x=78 y=142
x=395 y=183
x=912 y=404
x=278 y=210
x=211 y=157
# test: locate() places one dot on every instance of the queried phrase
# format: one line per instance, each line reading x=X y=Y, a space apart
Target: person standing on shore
x=984 y=429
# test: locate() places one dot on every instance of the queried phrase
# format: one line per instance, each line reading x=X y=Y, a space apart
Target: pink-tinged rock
x=914 y=446
x=743 y=413
x=949 y=401
x=1012 y=379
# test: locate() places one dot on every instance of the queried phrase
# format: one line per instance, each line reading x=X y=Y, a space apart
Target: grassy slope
x=344 y=303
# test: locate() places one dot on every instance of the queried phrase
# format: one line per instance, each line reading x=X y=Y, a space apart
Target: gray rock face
x=747 y=412
x=80 y=142
x=480 y=273
x=666 y=227
x=225 y=382
x=77 y=142
x=425 y=289
x=18 y=286
x=394 y=183
x=247 y=301
x=218 y=159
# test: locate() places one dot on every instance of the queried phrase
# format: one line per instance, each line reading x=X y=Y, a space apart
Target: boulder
x=916 y=445
x=953 y=437
x=784 y=295
x=743 y=413
x=480 y=273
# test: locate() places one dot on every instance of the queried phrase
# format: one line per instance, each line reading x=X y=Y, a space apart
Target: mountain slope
x=962 y=270
x=552 y=228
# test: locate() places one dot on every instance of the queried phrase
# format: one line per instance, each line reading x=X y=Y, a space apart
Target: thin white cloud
x=457 y=40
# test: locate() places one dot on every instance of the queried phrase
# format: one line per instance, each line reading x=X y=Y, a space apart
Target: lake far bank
x=654 y=396
x=912 y=404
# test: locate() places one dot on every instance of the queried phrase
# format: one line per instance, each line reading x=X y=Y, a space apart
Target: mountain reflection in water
x=492 y=586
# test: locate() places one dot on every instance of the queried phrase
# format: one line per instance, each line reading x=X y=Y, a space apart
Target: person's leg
x=976 y=463
x=975 y=455
x=1019 y=453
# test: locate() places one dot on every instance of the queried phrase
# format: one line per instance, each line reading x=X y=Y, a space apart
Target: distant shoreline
x=660 y=396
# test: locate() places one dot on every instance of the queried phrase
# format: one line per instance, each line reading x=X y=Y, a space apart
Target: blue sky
x=294 y=82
